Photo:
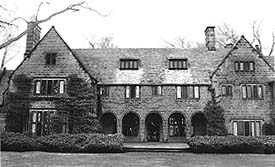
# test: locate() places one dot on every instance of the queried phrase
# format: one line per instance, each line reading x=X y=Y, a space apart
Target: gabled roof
x=234 y=47
x=153 y=69
x=29 y=54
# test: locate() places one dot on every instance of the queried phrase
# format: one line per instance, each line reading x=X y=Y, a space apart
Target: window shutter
x=196 y=92
x=260 y=92
x=61 y=88
x=127 y=91
x=244 y=91
x=235 y=128
x=159 y=90
x=178 y=92
x=37 y=87
x=137 y=91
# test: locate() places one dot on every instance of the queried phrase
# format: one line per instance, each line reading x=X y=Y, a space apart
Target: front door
x=153 y=127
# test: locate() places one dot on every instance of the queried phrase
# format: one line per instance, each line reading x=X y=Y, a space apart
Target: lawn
x=135 y=159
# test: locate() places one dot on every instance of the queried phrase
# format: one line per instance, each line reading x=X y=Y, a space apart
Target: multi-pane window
x=49 y=86
x=247 y=128
x=176 y=125
x=252 y=91
x=132 y=91
x=129 y=64
x=41 y=121
x=244 y=66
x=104 y=91
x=156 y=90
x=50 y=58
x=188 y=92
x=177 y=64
x=227 y=90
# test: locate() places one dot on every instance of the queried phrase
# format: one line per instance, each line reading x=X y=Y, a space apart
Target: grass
x=135 y=159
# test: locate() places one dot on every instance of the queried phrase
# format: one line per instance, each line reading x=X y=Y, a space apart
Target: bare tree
x=256 y=28
x=104 y=42
x=8 y=24
x=225 y=34
x=179 y=42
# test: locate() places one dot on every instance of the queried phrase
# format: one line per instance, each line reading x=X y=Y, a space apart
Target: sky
x=144 y=23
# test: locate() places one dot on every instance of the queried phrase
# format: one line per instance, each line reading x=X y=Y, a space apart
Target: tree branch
x=72 y=7
x=273 y=44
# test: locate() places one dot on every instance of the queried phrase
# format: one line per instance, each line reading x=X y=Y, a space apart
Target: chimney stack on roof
x=210 y=38
x=33 y=36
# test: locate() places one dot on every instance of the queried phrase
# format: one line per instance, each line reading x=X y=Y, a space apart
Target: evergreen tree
x=215 y=116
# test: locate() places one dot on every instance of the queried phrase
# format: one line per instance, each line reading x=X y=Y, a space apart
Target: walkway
x=155 y=147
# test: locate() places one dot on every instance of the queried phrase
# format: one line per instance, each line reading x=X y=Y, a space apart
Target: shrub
x=11 y=141
x=88 y=143
x=268 y=128
x=232 y=144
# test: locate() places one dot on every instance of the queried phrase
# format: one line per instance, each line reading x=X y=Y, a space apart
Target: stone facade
x=163 y=117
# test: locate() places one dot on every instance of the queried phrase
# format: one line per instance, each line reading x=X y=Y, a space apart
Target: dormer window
x=50 y=58
x=178 y=64
x=244 y=66
x=128 y=64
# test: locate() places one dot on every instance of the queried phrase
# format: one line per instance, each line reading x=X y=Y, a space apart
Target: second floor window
x=178 y=64
x=50 y=58
x=188 y=92
x=252 y=91
x=132 y=91
x=156 y=90
x=227 y=90
x=49 y=87
x=129 y=64
x=244 y=66
x=104 y=91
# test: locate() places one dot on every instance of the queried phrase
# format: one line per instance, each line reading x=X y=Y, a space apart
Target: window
x=156 y=90
x=226 y=90
x=188 y=92
x=41 y=121
x=247 y=128
x=178 y=64
x=49 y=86
x=244 y=66
x=129 y=64
x=104 y=91
x=252 y=91
x=132 y=91
x=176 y=125
x=51 y=58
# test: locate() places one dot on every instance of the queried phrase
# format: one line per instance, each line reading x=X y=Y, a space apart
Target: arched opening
x=176 y=125
x=109 y=123
x=130 y=125
x=199 y=124
x=153 y=124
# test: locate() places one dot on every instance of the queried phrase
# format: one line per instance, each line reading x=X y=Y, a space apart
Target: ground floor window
x=176 y=125
x=41 y=121
x=247 y=128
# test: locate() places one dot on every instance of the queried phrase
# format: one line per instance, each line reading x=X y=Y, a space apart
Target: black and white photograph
x=137 y=83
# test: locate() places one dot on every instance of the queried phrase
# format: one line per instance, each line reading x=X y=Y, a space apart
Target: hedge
x=232 y=144
x=72 y=143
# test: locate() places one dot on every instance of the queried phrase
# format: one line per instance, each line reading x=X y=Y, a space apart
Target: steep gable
x=244 y=51
x=34 y=64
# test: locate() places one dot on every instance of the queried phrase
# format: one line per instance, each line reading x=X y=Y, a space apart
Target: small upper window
x=244 y=66
x=51 y=58
x=227 y=90
x=156 y=90
x=129 y=64
x=104 y=91
x=178 y=64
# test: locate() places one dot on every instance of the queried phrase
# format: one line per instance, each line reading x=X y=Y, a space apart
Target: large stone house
x=156 y=94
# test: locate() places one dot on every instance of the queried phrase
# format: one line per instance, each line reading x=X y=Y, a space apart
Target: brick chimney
x=210 y=38
x=33 y=36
